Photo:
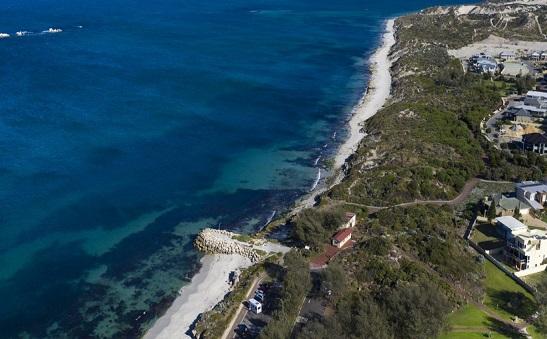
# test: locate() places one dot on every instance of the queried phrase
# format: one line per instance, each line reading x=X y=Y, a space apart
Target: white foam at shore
x=317 y=179
x=378 y=90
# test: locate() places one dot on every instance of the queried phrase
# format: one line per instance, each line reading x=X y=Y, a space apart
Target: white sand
x=494 y=45
x=379 y=87
x=206 y=289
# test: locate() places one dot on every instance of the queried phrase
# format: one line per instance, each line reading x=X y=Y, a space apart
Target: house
x=535 y=142
x=486 y=66
x=535 y=56
x=483 y=63
x=255 y=306
x=535 y=102
x=527 y=250
x=342 y=237
x=351 y=220
x=507 y=226
x=506 y=205
x=537 y=95
x=534 y=193
x=507 y=55
x=523 y=115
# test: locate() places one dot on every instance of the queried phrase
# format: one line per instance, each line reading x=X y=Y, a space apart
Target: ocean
x=133 y=124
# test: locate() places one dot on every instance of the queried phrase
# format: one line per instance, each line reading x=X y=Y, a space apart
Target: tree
x=334 y=278
x=491 y=213
x=516 y=213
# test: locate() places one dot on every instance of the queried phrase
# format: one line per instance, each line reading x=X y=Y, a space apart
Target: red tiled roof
x=342 y=234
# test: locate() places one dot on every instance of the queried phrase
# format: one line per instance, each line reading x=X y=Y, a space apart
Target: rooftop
x=511 y=223
x=532 y=186
x=535 y=138
x=254 y=302
x=537 y=94
x=342 y=234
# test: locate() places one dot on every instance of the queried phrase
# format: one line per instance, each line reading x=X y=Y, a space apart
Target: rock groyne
x=213 y=241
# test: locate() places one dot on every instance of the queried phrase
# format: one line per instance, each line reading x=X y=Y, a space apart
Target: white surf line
x=316 y=160
x=317 y=179
x=270 y=218
x=379 y=88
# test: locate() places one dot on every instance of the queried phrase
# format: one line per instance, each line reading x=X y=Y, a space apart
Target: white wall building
x=525 y=249
x=534 y=193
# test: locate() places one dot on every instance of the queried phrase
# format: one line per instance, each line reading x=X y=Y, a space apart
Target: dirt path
x=464 y=194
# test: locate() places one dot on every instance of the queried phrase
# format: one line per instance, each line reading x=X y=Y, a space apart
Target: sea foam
x=53 y=30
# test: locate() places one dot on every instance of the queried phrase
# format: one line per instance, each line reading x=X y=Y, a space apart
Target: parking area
x=251 y=323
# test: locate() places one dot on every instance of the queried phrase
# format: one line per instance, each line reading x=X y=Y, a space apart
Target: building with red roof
x=342 y=237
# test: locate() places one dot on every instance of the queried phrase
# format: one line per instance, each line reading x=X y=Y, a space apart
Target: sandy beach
x=206 y=289
x=378 y=90
x=209 y=286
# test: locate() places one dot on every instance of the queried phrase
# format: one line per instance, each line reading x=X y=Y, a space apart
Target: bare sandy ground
x=206 y=289
x=494 y=45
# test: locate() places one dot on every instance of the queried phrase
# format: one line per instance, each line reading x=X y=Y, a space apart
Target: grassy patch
x=485 y=236
x=504 y=296
x=471 y=322
x=469 y=315
x=471 y=335
x=535 y=279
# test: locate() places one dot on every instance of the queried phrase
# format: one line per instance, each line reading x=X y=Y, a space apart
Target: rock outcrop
x=213 y=241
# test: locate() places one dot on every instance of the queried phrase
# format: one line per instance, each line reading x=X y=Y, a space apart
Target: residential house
x=535 y=56
x=534 y=193
x=525 y=249
x=342 y=237
x=535 y=142
x=506 y=205
x=483 y=63
x=351 y=220
x=523 y=115
x=507 y=55
x=507 y=226
x=537 y=95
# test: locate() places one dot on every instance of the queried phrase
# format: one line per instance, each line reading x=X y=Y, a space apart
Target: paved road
x=241 y=310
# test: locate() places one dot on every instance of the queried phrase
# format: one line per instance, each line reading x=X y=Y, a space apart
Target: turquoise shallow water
x=142 y=122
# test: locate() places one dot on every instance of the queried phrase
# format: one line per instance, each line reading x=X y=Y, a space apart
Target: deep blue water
x=142 y=122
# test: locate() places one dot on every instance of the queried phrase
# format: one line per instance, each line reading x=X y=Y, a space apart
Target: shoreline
x=209 y=286
x=377 y=92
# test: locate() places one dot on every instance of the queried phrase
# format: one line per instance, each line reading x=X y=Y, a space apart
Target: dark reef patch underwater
x=142 y=122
